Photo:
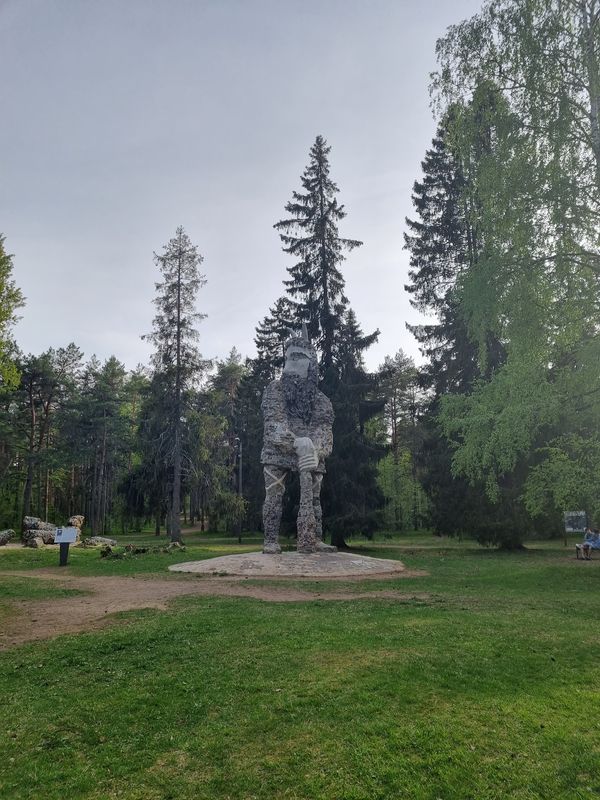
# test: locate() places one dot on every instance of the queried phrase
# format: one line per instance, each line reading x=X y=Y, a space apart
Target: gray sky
x=122 y=120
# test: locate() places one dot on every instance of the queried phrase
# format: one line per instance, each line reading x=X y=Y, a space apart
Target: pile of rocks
x=6 y=536
x=97 y=541
x=37 y=533
x=76 y=521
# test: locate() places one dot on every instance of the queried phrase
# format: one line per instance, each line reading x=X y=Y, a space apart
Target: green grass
x=14 y=588
x=87 y=561
x=488 y=689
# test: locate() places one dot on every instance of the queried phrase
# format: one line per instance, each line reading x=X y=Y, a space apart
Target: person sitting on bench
x=591 y=541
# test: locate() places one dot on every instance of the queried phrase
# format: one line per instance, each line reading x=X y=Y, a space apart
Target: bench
x=584 y=550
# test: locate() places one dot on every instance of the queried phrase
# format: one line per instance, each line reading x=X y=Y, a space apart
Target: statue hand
x=307 y=453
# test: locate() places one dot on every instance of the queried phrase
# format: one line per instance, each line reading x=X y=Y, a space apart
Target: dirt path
x=32 y=620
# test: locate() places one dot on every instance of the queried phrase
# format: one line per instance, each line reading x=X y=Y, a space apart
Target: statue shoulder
x=274 y=387
x=324 y=403
x=271 y=393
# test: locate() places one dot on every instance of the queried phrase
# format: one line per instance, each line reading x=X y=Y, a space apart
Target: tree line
x=494 y=436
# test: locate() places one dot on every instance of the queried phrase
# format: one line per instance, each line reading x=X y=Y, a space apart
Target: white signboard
x=575 y=521
x=64 y=535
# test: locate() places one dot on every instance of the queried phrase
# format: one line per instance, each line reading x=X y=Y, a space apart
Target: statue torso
x=278 y=448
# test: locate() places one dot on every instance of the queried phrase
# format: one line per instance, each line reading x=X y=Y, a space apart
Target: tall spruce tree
x=444 y=243
x=177 y=361
x=310 y=235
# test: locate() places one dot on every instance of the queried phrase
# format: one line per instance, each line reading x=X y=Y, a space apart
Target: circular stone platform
x=293 y=565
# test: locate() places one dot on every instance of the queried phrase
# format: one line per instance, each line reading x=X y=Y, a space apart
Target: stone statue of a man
x=298 y=421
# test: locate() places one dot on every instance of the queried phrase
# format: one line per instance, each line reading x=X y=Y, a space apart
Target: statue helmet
x=299 y=339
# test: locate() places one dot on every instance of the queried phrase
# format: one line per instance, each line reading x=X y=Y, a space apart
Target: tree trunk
x=28 y=486
x=338 y=540
x=30 y=457
x=100 y=486
x=39 y=491
x=46 y=493
x=72 y=492
x=175 y=526
x=105 y=504
x=175 y=531
x=17 y=522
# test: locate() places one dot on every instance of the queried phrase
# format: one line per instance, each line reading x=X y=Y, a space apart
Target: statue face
x=297 y=361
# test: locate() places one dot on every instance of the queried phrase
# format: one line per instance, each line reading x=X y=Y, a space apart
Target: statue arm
x=323 y=441
x=278 y=435
x=323 y=435
x=276 y=431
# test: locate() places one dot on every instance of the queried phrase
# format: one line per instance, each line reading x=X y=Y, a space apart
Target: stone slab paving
x=293 y=565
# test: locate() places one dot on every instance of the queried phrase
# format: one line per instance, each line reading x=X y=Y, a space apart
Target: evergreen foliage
x=310 y=235
x=11 y=299
x=351 y=497
x=526 y=73
x=177 y=361
x=406 y=506
x=443 y=246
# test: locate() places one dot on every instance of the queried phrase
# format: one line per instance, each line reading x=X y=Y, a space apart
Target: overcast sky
x=122 y=120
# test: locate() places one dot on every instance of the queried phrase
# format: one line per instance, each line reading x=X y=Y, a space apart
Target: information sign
x=575 y=521
x=65 y=535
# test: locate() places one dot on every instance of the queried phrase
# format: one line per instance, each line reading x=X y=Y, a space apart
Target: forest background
x=495 y=436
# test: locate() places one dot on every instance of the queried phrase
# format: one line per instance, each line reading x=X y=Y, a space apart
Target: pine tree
x=441 y=243
x=47 y=381
x=398 y=478
x=176 y=359
x=310 y=234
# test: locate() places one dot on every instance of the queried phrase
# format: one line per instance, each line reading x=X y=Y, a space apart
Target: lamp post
x=238 y=442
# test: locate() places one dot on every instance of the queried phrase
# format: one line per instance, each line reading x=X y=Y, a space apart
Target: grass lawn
x=487 y=688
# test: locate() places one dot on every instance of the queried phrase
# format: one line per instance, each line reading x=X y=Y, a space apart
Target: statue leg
x=318 y=511
x=306 y=524
x=275 y=488
x=316 y=494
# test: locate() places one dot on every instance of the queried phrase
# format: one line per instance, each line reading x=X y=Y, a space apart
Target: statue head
x=300 y=355
x=300 y=375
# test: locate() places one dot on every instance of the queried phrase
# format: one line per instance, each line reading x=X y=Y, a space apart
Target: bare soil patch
x=32 y=620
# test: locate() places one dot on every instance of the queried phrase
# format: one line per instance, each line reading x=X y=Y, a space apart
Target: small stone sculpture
x=6 y=536
x=298 y=421
x=37 y=533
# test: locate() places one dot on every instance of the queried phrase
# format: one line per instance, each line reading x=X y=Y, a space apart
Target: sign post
x=64 y=537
